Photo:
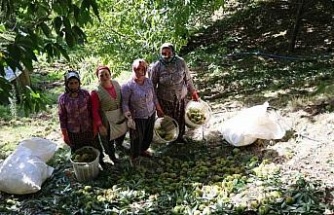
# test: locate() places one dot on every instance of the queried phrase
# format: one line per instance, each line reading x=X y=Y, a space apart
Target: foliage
x=136 y=29
x=33 y=101
x=5 y=90
x=30 y=28
x=5 y=113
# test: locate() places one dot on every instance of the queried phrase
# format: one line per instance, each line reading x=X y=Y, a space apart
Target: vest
x=108 y=103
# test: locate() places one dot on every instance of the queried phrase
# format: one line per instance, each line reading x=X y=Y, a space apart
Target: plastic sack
x=42 y=148
x=23 y=173
x=254 y=123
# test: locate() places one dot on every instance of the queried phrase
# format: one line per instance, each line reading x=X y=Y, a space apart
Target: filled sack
x=257 y=122
x=24 y=171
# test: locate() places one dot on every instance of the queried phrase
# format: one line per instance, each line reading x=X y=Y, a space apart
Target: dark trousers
x=109 y=145
x=176 y=110
x=141 y=138
x=81 y=139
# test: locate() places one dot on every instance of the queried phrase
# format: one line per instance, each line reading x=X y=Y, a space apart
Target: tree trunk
x=297 y=25
x=24 y=78
x=21 y=82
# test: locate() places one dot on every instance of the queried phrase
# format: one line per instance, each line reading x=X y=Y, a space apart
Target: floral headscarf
x=69 y=75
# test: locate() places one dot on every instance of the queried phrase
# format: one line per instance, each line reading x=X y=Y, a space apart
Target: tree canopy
x=116 y=31
x=31 y=28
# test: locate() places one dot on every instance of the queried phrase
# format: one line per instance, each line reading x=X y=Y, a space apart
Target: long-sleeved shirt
x=75 y=112
x=140 y=100
x=171 y=80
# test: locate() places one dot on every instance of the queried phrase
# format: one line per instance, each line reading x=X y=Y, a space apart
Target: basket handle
x=175 y=123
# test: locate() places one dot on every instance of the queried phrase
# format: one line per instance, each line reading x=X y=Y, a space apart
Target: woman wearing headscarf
x=109 y=120
x=139 y=106
x=74 y=111
x=172 y=82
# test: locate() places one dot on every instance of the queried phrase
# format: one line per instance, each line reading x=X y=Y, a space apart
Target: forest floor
x=303 y=96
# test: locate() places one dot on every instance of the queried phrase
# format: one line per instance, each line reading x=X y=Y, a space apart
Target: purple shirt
x=140 y=100
x=75 y=112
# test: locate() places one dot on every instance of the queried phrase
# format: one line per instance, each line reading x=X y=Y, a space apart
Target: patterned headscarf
x=171 y=47
x=69 y=75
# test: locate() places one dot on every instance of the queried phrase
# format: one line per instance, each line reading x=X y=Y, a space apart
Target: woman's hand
x=195 y=96
x=160 y=113
x=65 y=137
x=103 y=130
x=130 y=122
x=67 y=140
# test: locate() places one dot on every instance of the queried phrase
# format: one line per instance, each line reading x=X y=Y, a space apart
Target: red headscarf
x=102 y=68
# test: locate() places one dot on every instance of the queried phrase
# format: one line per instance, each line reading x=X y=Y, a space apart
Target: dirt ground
x=306 y=149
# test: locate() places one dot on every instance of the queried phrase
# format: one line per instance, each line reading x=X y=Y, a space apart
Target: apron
x=117 y=123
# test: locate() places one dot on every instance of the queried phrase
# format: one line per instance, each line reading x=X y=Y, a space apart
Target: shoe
x=115 y=160
x=146 y=154
x=181 y=141
x=105 y=166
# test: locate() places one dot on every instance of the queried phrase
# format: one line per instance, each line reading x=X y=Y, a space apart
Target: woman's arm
x=62 y=113
x=189 y=82
x=126 y=93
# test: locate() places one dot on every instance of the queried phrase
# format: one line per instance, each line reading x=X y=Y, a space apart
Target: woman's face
x=73 y=85
x=140 y=72
x=139 y=68
x=166 y=53
x=104 y=76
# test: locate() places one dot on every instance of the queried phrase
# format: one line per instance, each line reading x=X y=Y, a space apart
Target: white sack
x=23 y=172
x=254 y=123
x=42 y=148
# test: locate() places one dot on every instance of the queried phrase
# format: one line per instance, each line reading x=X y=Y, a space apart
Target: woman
x=172 y=81
x=108 y=117
x=74 y=111
x=140 y=104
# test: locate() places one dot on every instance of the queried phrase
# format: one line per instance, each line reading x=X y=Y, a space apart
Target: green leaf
x=79 y=32
x=57 y=24
x=45 y=28
x=84 y=5
x=62 y=51
x=94 y=6
x=4 y=90
x=14 y=51
x=70 y=40
x=48 y=49
x=76 y=12
x=66 y=23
